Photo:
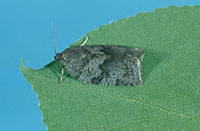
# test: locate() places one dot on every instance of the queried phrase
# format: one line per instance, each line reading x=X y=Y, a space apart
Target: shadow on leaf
x=149 y=62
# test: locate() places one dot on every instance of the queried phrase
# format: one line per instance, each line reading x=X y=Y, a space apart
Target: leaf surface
x=169 y=98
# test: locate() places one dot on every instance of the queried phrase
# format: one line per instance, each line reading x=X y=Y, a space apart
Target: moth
x=103 y=64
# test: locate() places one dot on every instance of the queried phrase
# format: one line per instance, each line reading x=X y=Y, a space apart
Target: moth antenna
x=54 y=45
x=86 y=39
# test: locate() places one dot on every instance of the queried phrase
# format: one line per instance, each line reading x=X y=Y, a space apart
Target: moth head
x=58 y=57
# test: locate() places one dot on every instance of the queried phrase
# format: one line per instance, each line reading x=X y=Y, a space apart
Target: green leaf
x=169 y=98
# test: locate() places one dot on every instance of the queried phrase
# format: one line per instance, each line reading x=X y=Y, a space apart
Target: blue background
x=25 y=31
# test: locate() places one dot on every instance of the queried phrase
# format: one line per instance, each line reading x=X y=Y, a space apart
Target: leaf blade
x=168 y=99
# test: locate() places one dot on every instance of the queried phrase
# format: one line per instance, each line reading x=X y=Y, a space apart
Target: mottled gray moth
x=103 y=64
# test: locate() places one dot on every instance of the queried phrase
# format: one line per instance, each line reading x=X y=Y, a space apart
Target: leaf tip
x=22 y=67
x=21 y=63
